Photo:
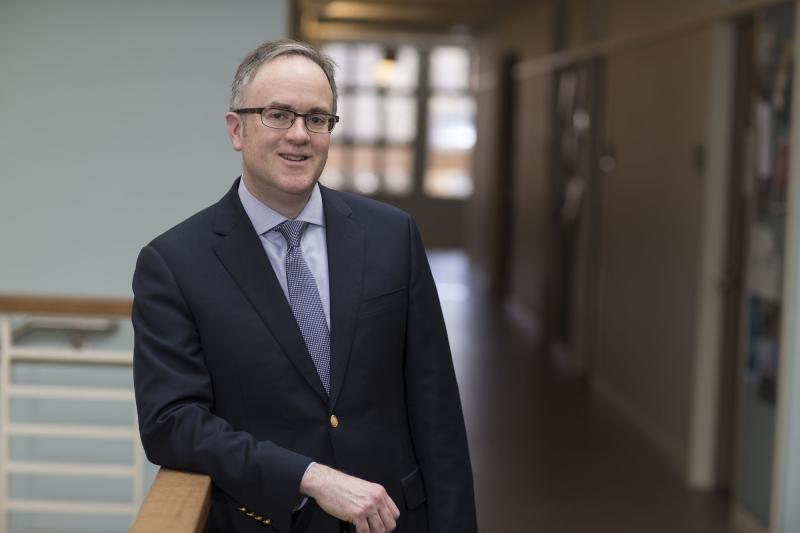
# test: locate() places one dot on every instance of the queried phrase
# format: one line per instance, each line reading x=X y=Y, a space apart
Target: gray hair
x=271 y=50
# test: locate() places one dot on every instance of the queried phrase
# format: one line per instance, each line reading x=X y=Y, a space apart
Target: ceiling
x=319 y=20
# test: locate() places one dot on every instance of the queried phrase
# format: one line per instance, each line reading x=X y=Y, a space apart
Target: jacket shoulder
x=187 y=232
x=369 y=210
x=200 y=228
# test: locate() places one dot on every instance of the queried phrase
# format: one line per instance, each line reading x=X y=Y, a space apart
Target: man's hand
x=361 y=503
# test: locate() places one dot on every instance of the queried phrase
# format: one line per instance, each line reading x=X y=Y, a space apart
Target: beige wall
x=628 y=17
x=524 y=36
x=650 y=234
x=645 y=309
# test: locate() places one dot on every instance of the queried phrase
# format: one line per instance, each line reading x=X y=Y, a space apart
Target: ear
x=235 y=123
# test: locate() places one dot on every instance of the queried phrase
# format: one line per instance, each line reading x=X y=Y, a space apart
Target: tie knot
x=292 y=231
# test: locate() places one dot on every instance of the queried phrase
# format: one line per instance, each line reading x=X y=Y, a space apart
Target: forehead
x=292 y=80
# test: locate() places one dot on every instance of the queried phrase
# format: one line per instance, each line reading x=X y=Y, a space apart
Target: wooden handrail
x=65 y=305
x=177 y=502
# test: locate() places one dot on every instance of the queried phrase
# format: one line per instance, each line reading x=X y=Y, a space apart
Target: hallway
x=547 y=456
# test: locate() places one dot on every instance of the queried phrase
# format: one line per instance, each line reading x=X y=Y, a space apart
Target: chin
x=299 y=186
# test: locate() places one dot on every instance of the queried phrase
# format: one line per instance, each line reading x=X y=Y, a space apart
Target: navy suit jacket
x=225 y=385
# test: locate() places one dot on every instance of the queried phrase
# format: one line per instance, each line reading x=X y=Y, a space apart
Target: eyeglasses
x=282 y=119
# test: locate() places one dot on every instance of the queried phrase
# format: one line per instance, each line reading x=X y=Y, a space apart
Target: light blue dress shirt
x=313 y=244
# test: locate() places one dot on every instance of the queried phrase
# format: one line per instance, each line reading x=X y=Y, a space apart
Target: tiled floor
x=547 y=457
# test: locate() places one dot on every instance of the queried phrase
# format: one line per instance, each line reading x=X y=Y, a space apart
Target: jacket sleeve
x=175 y=402
x=434 y=405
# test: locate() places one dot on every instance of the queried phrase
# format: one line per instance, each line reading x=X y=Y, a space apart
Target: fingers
x=381 y=520
x=361 y=526
x=395 y=512
x=364 y=504
x=378 y=521
x=385 y=515
x=376 y=524
x=377 y=511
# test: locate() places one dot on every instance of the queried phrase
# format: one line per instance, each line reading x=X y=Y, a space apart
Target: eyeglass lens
x=283 y=119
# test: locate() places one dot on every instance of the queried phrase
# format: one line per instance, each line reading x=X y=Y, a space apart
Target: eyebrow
x=316 y=109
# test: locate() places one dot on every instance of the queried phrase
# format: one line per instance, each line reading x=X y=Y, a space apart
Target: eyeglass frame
x=260 y=111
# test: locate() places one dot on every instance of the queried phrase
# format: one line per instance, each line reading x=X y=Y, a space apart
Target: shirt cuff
x=301 y=500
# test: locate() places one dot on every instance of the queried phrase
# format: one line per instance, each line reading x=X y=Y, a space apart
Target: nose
x=297 y=132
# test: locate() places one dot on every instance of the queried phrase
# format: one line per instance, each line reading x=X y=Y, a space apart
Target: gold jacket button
x=334 y=421
x=267 y=521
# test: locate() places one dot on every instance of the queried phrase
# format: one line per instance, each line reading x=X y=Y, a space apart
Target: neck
x=288 y=205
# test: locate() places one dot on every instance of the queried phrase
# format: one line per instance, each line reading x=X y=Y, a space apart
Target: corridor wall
x=525 y=36
x=652 y=320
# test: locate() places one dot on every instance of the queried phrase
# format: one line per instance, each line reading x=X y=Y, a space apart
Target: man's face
x=282 y=166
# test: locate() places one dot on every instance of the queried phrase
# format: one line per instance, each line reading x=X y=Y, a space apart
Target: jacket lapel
x=345 y=239
x=241 y=252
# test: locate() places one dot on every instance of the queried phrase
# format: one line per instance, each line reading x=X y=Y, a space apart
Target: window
x=375 y=149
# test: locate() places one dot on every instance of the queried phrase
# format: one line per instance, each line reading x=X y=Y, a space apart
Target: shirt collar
x=264 y=218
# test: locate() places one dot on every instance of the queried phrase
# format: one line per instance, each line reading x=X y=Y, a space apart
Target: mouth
x=294 y=158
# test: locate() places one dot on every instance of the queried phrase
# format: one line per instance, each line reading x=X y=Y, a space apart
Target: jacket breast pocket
x=383 y=302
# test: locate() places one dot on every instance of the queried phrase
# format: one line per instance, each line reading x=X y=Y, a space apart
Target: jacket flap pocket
x=414 y=489
x=377 y=304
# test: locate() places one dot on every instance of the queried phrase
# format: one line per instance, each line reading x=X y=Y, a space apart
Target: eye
x=277 y=114
x=318 y=120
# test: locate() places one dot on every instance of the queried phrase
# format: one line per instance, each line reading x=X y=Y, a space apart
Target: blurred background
x=603 y=187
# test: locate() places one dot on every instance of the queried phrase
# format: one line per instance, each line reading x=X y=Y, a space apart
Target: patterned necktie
x=305 y=301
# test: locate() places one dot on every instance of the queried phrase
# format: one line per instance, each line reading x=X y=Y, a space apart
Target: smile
x=293 y=158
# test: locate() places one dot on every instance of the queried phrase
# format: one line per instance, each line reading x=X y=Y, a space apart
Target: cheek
x=321 y=147
x=257 y=134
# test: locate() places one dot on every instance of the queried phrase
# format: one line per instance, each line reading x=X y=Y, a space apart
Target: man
x=289 y=340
